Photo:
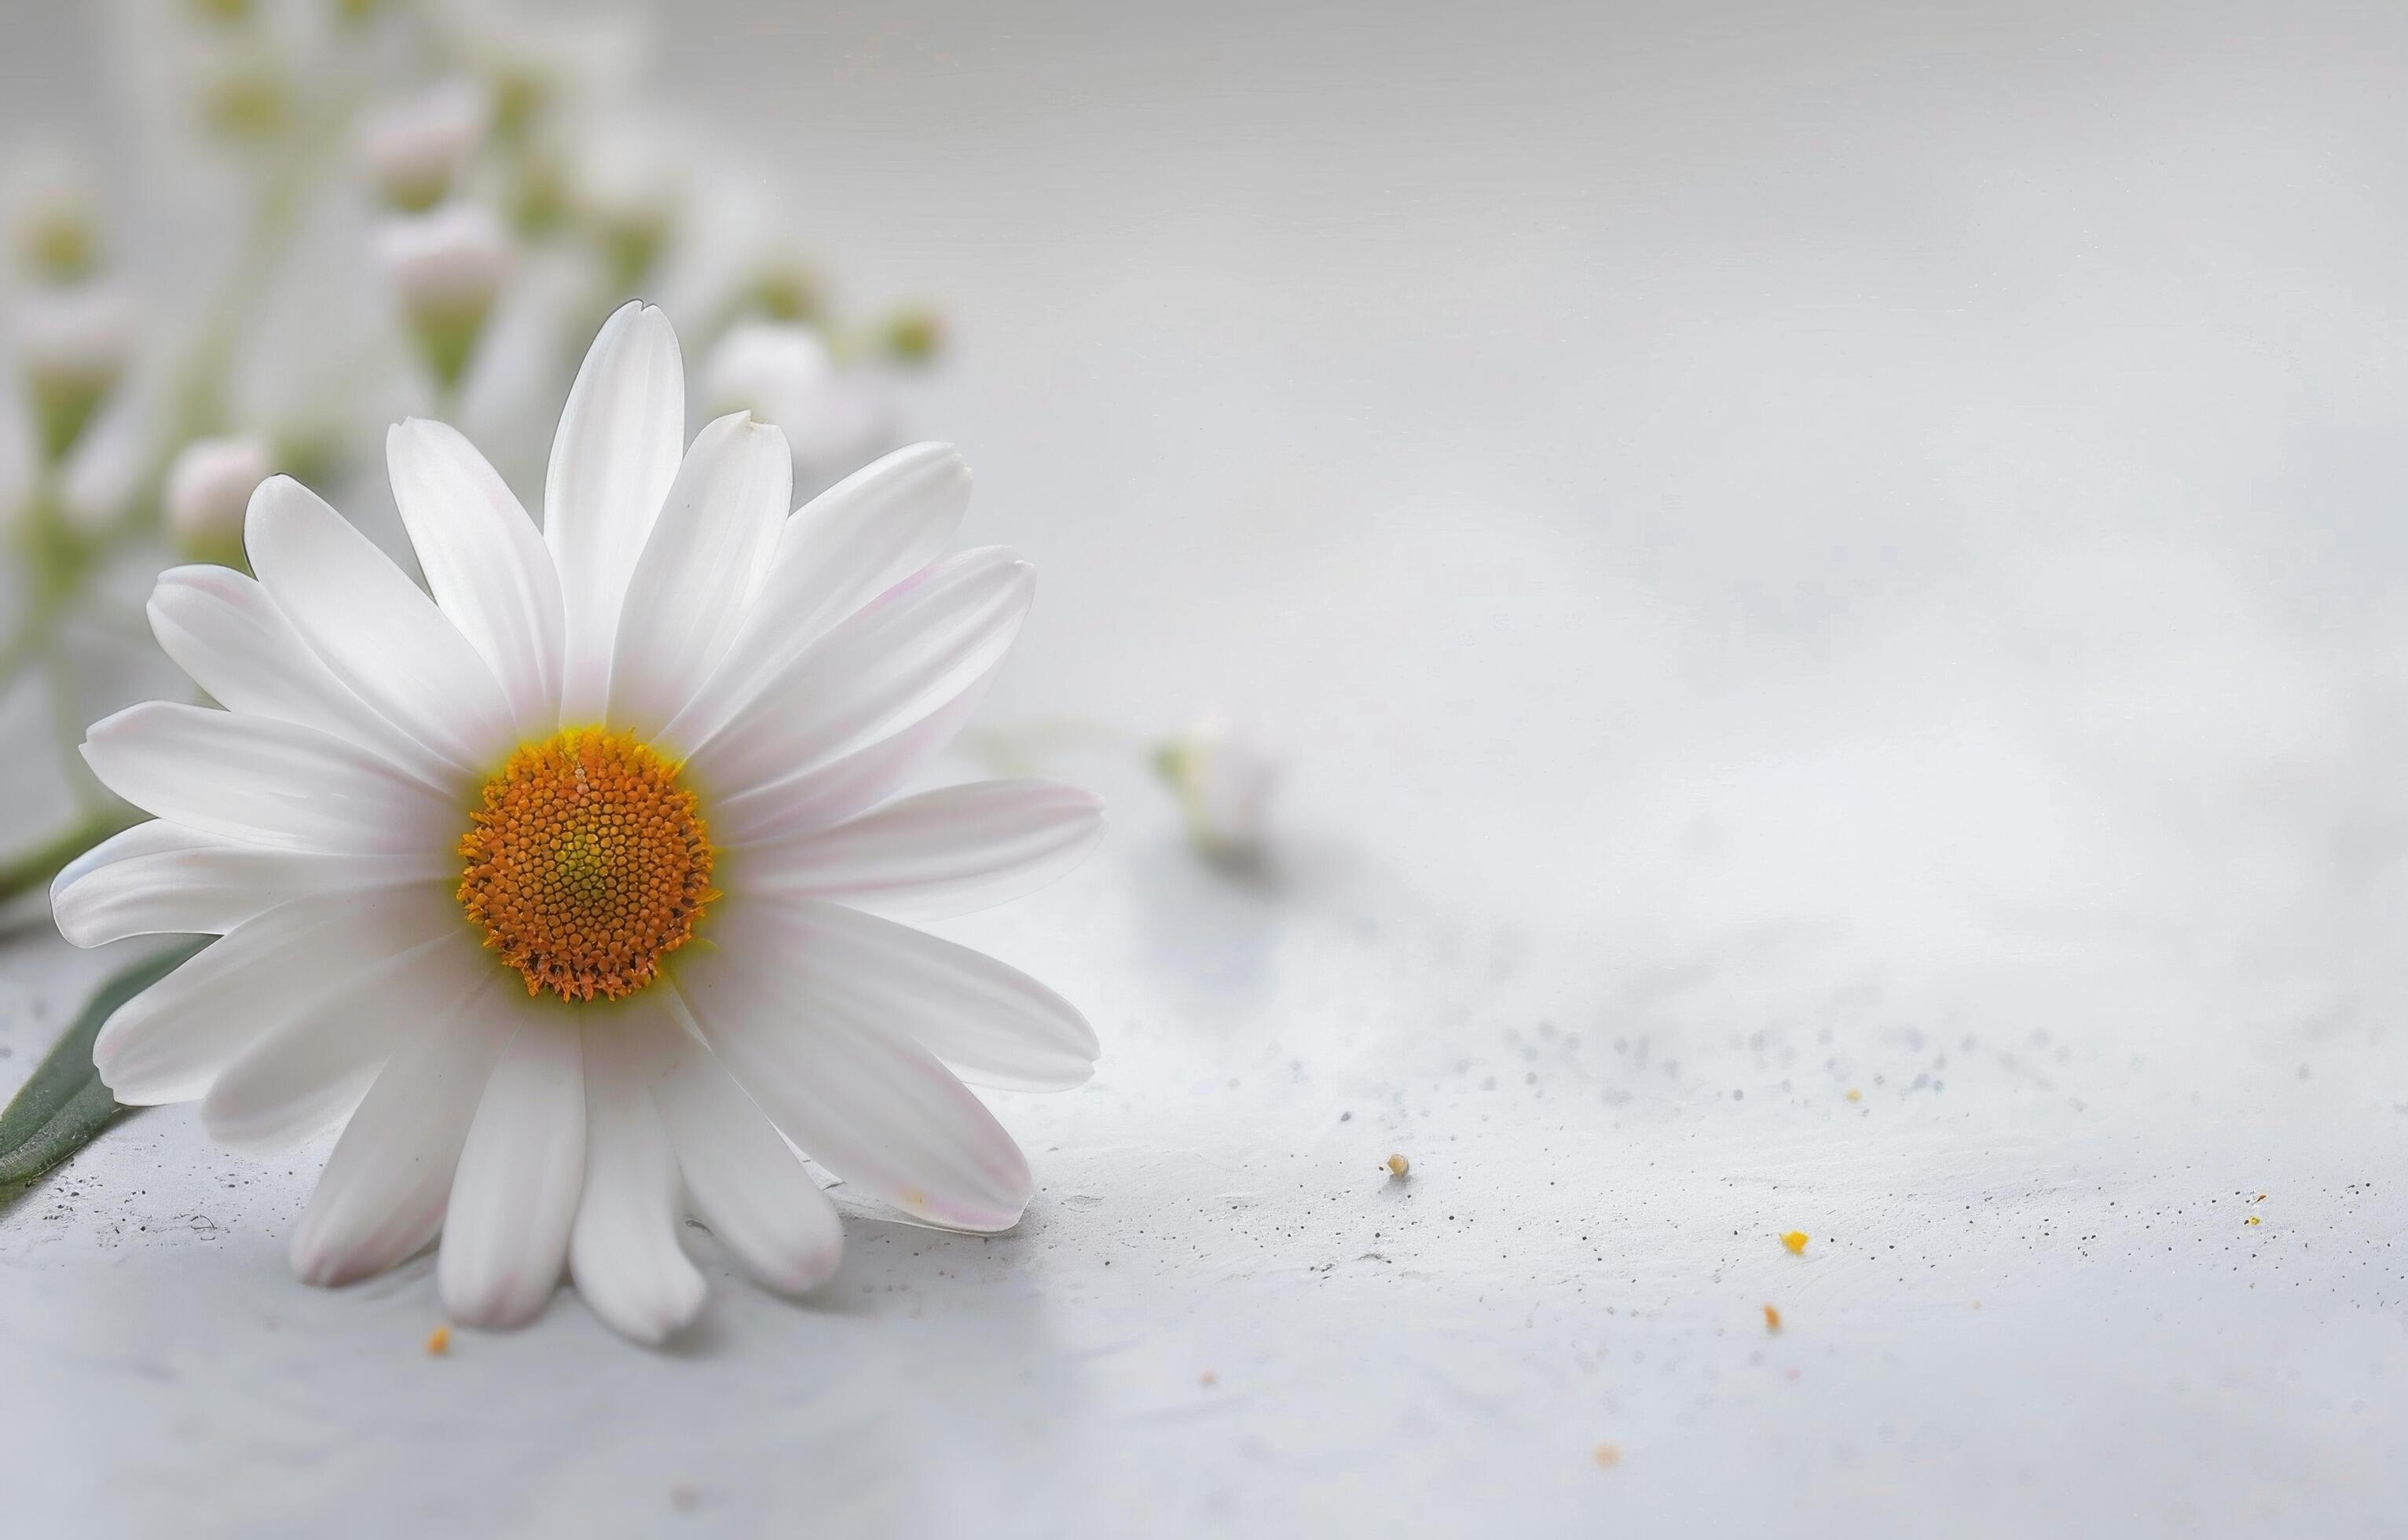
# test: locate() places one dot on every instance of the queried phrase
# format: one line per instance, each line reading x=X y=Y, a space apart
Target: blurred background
x=1712 y=618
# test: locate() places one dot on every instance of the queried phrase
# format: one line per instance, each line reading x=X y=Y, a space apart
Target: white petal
x=485 y=562
x=862 y=1099
x=623 y=1251
x=303 y=1077
x=917 y=648
x=943 y=853
x=223 y=629
x=621 y=437
x=268 y=783
x=170 y=1042
x=700 y=568
x=374 y=628
x=744 y=1182
x=506 y=1231
x=842 y=549
x=831 y=793
x=382 y=1194
x=162 y=879
x=993 y=1024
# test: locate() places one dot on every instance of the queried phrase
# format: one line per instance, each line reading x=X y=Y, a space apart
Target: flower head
x=567 y=891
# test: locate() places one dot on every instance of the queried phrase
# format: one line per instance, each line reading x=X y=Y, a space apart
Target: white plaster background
x=1790 y=549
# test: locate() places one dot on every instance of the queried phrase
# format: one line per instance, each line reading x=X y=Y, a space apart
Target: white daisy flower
x=567 y=891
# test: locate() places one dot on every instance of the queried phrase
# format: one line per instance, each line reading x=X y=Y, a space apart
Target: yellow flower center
x=587 y=864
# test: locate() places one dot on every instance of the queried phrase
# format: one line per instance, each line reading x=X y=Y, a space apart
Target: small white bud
x=54 y=216
x=626 y=185
x=1224 y=784
x=82 y=332
x=415 y=150
x=74 y=343
x=209 y=489
x=446 y=267
x=781 y=371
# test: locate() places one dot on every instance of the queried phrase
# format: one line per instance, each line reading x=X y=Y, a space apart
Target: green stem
x=39 y=864
x=66 y=560
x=32 y=637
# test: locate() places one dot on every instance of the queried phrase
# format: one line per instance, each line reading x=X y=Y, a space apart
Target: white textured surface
x=1788 y=555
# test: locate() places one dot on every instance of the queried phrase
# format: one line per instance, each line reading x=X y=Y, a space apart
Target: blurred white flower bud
x=209 y=489
x=781 y=371
x=248 y=96
x=446 y=267
x=627 y=186
x=74 y=343
x=415 y=150
x=544 y=64
x=53 y=218
x=1223 y=782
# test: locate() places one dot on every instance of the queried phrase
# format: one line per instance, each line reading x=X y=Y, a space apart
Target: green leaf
x=66 y=1104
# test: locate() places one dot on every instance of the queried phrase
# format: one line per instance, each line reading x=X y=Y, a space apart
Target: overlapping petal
x=914 y=650
x=160 y=879
x=833 y=791
x=374 y=628
x=223 y=630
x=485 y=562
x=623 y=1248
x=858 y=1095
x=943 y=853
x=993 y=1024
x=305 y=1074
x=384 y=1189
x=616 y=453
x=705 y=560
x=171 y=1043
x=742 y=1180
x=265 y=782
x=515 y=1195
x=842 y=549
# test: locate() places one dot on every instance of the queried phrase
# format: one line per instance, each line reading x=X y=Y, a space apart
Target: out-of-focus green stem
x=64 y=559
x=37 y=866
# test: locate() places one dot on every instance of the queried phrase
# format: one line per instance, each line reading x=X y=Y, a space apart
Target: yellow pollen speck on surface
x=2253 y=1220
x=587 y=864
x=1855 y=1094
x=1607 y=1456
x=1397 y=1165
x=1771 y=1319
x=439 y=1341
x=1796 y=1240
